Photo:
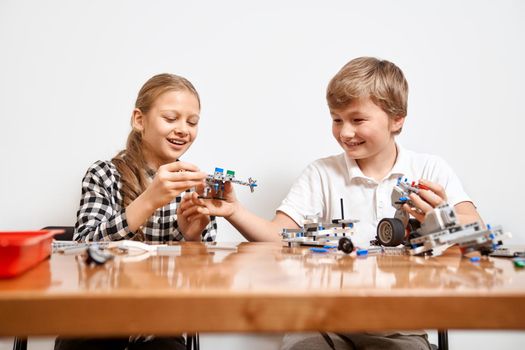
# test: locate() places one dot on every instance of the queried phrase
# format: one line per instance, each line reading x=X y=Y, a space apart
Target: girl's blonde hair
x=130 y=162
x=380 y=80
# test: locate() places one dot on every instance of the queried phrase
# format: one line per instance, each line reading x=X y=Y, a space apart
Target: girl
x=137 y=194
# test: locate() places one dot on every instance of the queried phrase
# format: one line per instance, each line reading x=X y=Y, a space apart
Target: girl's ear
x=396 y=124
x=137 y=120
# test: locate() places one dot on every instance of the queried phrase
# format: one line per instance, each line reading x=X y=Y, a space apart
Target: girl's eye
x=336 y=120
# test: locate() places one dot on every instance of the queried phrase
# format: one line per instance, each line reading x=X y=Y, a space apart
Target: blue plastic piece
x=361 y=252
x=403 y=199
x=489 y=227
x=319 y=250
x=219 y=170
x=492 y=236
x=475 y=259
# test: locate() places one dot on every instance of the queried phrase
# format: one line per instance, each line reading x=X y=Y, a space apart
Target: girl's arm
x=99 y=216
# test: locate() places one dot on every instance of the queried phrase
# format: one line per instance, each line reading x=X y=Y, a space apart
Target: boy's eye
x=336 y=120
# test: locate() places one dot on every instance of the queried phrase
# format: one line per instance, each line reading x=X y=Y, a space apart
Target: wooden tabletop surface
x=261 y=287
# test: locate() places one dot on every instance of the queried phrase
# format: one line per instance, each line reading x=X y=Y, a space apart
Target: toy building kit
x=315 y=233
x=216 y=183
x=439 y=231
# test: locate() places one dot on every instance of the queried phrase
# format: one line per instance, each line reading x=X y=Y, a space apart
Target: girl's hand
x=189 y=220
x=171 y=180
x=426 y=200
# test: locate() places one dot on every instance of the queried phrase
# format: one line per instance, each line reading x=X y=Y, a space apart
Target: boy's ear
x=137 y=120
x=397 y=124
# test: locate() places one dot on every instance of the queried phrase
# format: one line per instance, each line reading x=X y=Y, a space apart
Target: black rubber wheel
x=346 y=245
x=390 y=232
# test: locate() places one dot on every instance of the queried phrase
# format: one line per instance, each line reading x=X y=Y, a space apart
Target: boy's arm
x=257 y=229
x=467 y=213
x=251 y=226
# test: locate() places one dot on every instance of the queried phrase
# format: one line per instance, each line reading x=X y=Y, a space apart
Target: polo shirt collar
x=402 y=164
x=400 y=168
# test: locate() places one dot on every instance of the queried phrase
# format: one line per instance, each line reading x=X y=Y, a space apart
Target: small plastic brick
x=519 y=262
x=475 y=259
x=423 y=187
x=361 y=252
x=319 y=250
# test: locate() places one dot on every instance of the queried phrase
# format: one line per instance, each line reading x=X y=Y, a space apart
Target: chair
x=67 y=235
x=443 y=339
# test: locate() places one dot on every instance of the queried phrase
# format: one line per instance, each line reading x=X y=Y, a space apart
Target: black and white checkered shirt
x=102 y=217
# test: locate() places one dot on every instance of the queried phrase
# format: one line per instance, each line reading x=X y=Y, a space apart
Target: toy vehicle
x=216 y=183
x=314 y=233
x=440 y=230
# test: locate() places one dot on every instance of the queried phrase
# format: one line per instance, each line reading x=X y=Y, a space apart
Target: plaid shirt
x=101 y=216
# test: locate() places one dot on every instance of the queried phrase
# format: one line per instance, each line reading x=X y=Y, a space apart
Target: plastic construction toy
x=439 y=231
x=216 y=183
x=328 y=235
x=97 y=256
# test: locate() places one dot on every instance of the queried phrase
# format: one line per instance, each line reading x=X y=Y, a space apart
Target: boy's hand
x=433 y=195
x=217 y=207
x=191 y=222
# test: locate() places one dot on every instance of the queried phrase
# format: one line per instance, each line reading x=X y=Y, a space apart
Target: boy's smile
x=365 y=132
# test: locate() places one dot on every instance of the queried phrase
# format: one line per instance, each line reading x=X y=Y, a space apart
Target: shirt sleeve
x=98 y=217
x=210 y=232
x=440 y=172
x=304 y=197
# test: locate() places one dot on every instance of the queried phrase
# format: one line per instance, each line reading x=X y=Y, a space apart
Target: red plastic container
x=21 y=250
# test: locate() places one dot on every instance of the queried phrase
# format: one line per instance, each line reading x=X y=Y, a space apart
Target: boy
x=367 y=99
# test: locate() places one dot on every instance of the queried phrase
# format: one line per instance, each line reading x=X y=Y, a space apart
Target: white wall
x=70 y=72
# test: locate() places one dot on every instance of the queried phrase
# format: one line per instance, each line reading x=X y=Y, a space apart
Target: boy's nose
x=347 y=131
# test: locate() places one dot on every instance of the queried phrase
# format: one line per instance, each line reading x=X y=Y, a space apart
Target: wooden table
x=261 y=287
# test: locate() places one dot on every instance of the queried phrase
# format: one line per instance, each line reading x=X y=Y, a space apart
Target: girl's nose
x=181 y=128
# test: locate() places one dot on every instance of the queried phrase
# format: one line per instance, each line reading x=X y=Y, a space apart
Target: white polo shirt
x=325 y=181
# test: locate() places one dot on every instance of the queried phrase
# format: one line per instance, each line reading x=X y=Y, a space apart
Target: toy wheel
x=346 y=245
x=390 y=232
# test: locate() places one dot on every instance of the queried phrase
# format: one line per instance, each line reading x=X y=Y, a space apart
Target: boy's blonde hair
x=380 y=80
